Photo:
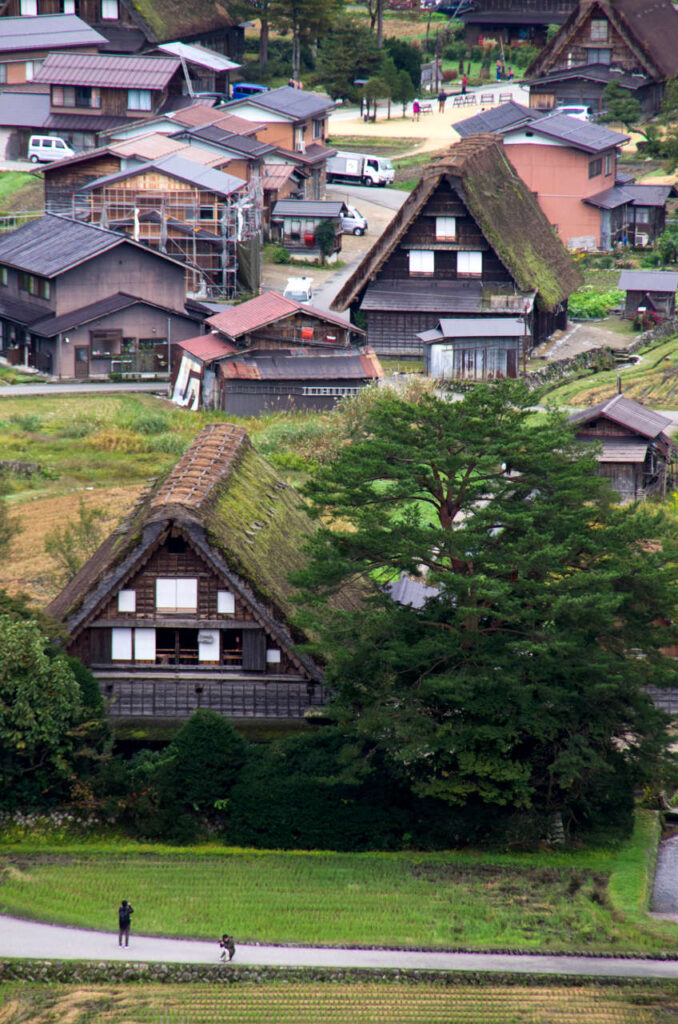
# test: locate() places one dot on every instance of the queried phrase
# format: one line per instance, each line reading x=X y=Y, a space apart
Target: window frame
x=426 y=258
x=468 y=254
x=595 y=167
x=144 y=97
x=109 y=5
x=442 y=234
x=168 y=583
x=600 y=30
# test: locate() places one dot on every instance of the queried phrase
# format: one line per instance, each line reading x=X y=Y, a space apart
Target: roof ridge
x=209 y=461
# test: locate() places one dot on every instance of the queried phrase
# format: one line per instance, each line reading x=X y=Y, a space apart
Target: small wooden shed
x=480 y=348
x=653 y=290
x=636 y=454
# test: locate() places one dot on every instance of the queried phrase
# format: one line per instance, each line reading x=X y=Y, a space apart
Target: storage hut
x=653 y=290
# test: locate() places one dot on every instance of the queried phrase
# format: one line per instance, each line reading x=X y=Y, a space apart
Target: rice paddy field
x=336 y=1003
x=583 y=900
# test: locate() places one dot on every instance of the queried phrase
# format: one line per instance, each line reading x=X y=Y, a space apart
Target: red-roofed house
x=272 y=321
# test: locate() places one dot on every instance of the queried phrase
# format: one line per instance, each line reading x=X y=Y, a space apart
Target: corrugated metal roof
x=206 y=347
x=637 y=195
x=47 y=32
x=443 y=297
x=297 y=365
x=201 y=55
x=627 y=413
x=177 y=167
x=150 y=147
x=648 y=280
x=104 y=71
x=276 y=176
x=413 y=593
x=293 y=103
x=497 y=119
x=82 y=123
x=265 y=309
x=585 y=135
x=483 y=327
x=202 y=113
x=603 y=73
x=23 y=110
x=231 y=141
x=308 y=208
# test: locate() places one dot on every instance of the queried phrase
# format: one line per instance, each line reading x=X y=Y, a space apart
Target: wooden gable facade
x=186 y=605
x=469 y=242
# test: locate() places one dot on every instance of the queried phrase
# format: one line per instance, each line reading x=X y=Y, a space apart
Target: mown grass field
x=319 y=1003
x=652 y=381
x=105 y=449
x=590 y=900
x=20 y=191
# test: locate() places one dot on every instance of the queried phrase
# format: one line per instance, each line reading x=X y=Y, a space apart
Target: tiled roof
x=206 y=347
x=27 y=313
x=50 y=326
x=83 y=122
x=627 y=413
x=648 y=280
x=602 y=73
x=296 y=104
x=216 y=135
x=47 y=32
x=208 y=461
x=203 y=113
x=106 y=71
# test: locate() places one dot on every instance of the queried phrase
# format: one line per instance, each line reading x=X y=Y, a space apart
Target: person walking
x=464 y=83
x=125 y=911
x=227 y=946
x=442 y=96
x=416 y=110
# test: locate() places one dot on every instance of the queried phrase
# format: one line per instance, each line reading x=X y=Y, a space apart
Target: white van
x=45 y=149
x=581 y=113
x=299 y=289
x=353 y=222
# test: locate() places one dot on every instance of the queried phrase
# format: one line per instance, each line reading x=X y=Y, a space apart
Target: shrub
x=167 y=444
x=590 y=304
x=646 y=320
x=455 y=51
x=29 y=424
x=149 y=423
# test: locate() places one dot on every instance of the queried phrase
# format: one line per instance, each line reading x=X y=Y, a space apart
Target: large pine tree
x=521 y=681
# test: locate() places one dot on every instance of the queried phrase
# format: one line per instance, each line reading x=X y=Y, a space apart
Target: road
x=31 y=940
x=17 y=390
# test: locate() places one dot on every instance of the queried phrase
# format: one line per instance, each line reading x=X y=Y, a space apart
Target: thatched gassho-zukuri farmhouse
x=470 y=241
x=188 y=603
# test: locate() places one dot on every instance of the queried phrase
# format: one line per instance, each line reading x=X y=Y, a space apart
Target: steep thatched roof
x=649 y=28
x=167 y=20
x=505 y=211
x=236 y=512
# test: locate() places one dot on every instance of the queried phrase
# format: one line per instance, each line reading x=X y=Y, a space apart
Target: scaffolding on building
x=198 y=228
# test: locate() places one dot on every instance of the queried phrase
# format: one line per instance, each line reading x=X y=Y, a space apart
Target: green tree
x=407 y=57
x=403 y=90
x=9 y=528
x=520 y=681
x=41 y=715
x=204 y=760
x=347 y=53
x=302 y=18
x=388 y=72
x=667 y=246
x=71 y=545
x=374 y=89
x=669 y=109
x=326 y=238
x=622 y=108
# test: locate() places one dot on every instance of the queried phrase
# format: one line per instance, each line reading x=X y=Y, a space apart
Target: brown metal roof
x=265 y=309
x=208 y=461
x=206 y=347
x=627 y=413
x=104 y=71
x=203 y=113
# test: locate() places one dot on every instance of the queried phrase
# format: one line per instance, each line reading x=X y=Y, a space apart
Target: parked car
x=243 y=89
x=219 y=97
x=353 y=223
x=582 y=113
x=299 y=289
x=45 y=149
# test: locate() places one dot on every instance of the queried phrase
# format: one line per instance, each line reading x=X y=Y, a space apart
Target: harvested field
x=29 y=569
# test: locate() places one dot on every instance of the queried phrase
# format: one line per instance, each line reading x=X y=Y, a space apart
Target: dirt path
x=580 y=337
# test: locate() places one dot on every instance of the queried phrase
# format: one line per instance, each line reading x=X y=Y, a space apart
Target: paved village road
x=29 y=939
x=17 y=390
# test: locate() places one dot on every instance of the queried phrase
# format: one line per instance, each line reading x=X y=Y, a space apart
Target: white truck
x=360 y=169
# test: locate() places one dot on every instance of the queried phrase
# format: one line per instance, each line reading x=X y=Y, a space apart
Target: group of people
x=125 y=911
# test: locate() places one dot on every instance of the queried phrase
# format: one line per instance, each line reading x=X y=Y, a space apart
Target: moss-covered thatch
x=167 y=20
x=504 y=209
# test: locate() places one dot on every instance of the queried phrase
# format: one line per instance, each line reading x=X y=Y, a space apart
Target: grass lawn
x=336 y=1003
x=20 y=191
x=652 y=381
x=590 y=900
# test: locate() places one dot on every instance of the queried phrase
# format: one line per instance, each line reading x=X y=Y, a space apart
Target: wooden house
x=630 y=214
x=652 y=290
x=636 y=454
x=513 y=24
x=25 y=43
x=187 y=604
x=634 y=38
x=469 y=242
x=76 y=301
x=272 y=321
x=482 y=349
x=131 y=26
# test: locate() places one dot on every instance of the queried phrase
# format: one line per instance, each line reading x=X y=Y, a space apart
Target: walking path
x=31 y=940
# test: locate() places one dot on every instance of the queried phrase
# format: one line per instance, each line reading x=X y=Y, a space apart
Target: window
x=69 y=6
x=446 y=227
x=75 y=96
x=599 y=30
x=34 y=285
x=299 y=144
x=470 y=263
x=127 y=600
x=144 y=645
x=422 y=261
x=321 y=389
x=138 y=99
x=225 y=602
x=318 y=128
x=642 y=214
x=176 y=595
x=594 y=56
x=272 y=656
x=109 y=10
x=30 y=67
x=29 y=8
x=207 y=213
x=3 y=276
x=609 y=164
x=208 y=645
x=121 y=644
x=595 y=168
